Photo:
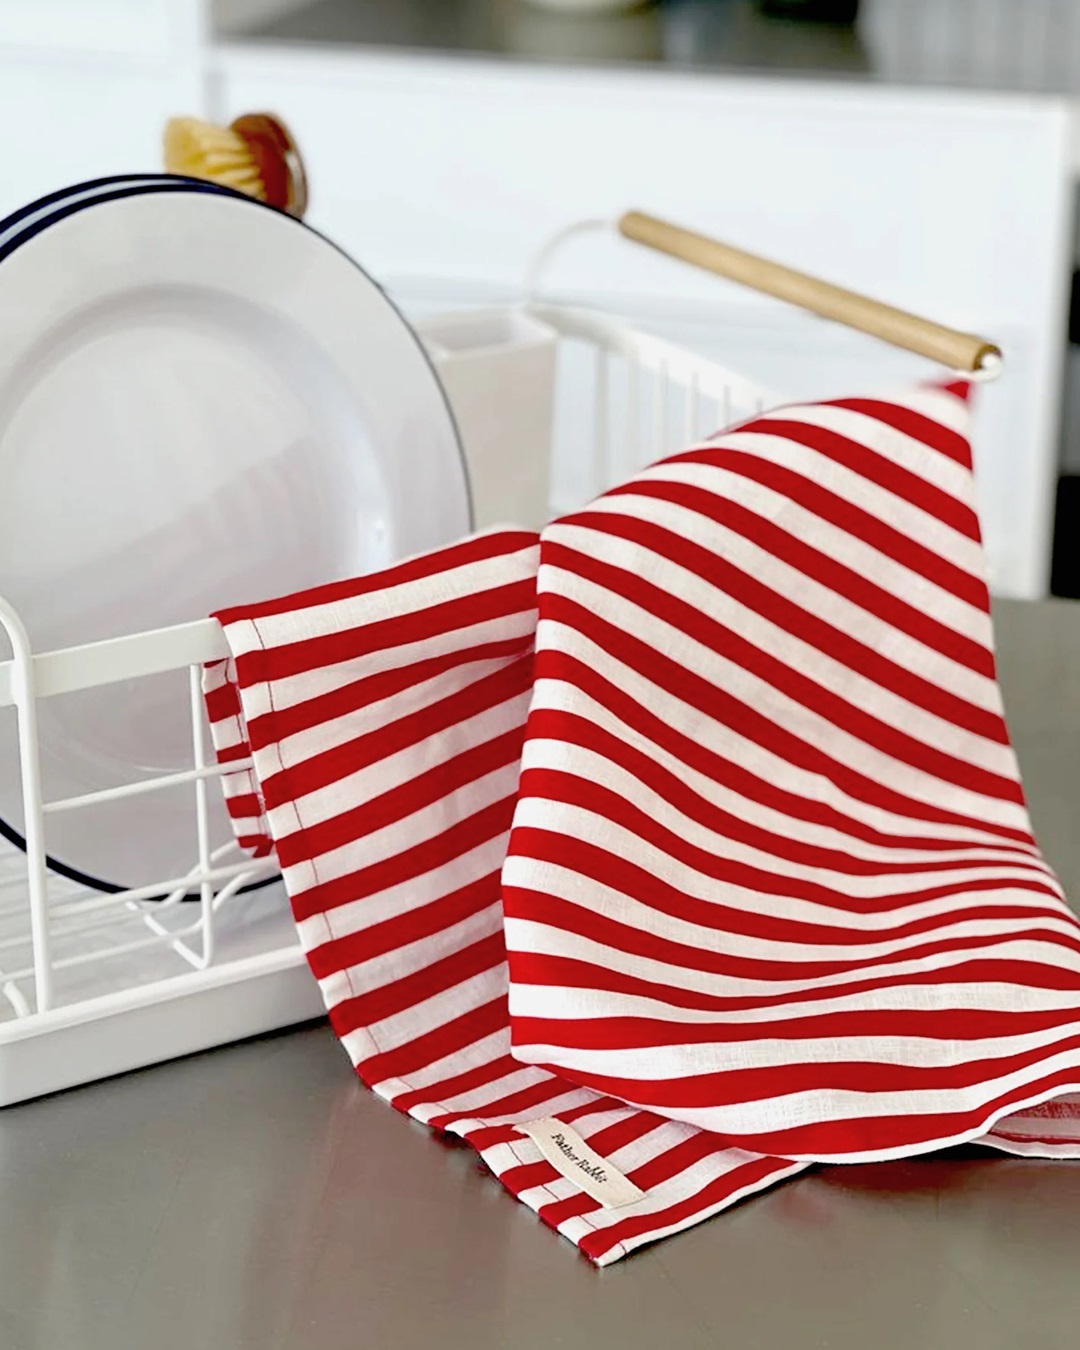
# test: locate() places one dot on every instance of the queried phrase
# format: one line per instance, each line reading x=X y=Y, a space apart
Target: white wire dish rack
x=554 y=405
x=94 y=984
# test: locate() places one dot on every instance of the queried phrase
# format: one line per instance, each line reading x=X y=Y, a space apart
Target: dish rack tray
x=94 y=984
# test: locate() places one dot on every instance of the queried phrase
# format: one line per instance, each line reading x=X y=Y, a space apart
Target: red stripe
x=566 y=787
x=718 y=706
x=833 y=575
x=467 y=1081
x=378 y=688
x=759 y=599
x=848 y=517
x=942 y=1024
x=479 y=548
x=223 y=702
x=735 y=1086
x=911 y=1133
x=566 y=972
x=229 y=754
x=379 y=740
x=452 y=1038
x=750 y=1175
x=730 y=775
x=428 y=921
x=593 y=863
x=526 y=1099
x=408 y=991
x=526 y=1176
x=807 y=692
x=917 y=425
x=258 y=845
x=1033 y=1139
x=427 y=790
x=441 y=620
x=244 y=805
x=484 y=1137
x=637 y=875
x=471 y=832
x=874 y=466
x=654 y=946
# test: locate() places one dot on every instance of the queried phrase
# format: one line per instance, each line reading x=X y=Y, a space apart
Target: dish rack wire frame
x=50 y=1040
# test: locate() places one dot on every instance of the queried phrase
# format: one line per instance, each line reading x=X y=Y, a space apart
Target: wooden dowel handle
x=958 y=351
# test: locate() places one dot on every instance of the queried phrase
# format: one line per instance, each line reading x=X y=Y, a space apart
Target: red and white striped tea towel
x=770 y=893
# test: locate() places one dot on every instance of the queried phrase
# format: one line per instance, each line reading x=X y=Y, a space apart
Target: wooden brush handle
x=958 y=351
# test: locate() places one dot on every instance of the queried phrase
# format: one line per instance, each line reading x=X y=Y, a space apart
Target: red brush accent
x=277 y=159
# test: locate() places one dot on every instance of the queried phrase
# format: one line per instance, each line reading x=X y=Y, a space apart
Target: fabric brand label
x=565 y=1149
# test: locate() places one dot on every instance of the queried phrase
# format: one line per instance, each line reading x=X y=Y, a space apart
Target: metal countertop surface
x=258 y=1197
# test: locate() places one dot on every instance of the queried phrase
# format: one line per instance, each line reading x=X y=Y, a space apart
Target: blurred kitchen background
x=925 y=151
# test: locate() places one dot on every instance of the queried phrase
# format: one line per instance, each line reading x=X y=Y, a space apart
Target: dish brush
x=254 y=154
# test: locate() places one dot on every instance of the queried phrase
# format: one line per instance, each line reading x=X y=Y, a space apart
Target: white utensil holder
x=498 y=369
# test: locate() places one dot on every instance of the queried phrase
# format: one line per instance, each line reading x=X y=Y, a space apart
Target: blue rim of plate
x=86 y=191
x=139 y=185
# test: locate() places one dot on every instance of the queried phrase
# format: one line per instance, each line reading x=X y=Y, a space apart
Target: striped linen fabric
x=693 y=825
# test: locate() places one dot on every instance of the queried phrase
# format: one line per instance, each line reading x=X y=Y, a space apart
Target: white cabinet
x=85 y=87
x=112 y=28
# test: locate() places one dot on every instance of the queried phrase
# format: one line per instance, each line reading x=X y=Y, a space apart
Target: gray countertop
x=258 y=1197
x=989 y=44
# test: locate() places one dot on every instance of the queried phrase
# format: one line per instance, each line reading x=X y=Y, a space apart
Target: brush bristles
x=200 y=150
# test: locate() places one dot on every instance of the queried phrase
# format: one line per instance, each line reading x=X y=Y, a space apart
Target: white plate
x=202 y=403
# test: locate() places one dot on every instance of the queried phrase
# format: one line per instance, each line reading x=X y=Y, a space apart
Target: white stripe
x=677 y=1061
x=525 y=936
x=824 y=538
x=596 y=827
x=332 y=732
x=543 y=752
x=782 y=1171
x=592 y=897
x=460 y=1060
x=401 y=835
x=885 y=506
x=388 y=968
x=569 y=1100
x=384 y=602
x=935 y=403
x=228 y=734
x=421 y=1018
x=374 y=778
x=809 y=594
x=291 y=691
x=787 y=713
x=1042 y=1148
x=890 y=443
x=727 y=743
x=565 y=1003
x=412 y=894
x=822 y=1105
x=833 y=677
x=477 y=1098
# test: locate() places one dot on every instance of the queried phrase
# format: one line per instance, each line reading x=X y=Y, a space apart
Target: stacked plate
x=202 y=402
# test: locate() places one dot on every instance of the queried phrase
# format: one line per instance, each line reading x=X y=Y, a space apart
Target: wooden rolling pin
x=958 y=351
